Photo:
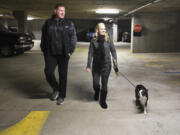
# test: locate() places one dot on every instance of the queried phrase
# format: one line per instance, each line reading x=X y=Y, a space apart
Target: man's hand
x=88 y=69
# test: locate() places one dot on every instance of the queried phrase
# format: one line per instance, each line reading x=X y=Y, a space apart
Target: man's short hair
x=59 y=5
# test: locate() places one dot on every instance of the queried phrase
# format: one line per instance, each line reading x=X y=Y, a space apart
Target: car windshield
x=2 y=28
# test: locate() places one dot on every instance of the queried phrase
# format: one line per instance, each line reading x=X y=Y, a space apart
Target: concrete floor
x=23 y=89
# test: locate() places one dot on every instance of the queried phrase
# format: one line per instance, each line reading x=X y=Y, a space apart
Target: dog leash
x=127 y=79
x=118 y=73
x=116 y=69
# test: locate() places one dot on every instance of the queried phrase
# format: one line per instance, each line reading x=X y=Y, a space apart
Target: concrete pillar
x=21 y=17
x=132 y=34
x=115 y=30
x=109 y=29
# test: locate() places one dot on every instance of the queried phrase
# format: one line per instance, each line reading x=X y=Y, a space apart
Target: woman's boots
x=96 y=95
x=103 y=96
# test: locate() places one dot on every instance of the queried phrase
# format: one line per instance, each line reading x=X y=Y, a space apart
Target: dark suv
x=13 y=42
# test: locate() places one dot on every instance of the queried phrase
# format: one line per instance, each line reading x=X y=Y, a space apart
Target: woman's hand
x=88 y=69
x=69 y=54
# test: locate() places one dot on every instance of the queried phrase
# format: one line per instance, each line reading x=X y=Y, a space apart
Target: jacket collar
x=95 y=42
x=53 y=17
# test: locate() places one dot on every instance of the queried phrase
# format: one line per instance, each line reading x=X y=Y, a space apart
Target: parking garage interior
x=146 y=37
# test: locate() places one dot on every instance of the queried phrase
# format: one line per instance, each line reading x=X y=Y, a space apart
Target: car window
x=2 y=28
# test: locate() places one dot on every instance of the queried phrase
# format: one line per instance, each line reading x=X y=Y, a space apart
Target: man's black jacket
x=58 y=36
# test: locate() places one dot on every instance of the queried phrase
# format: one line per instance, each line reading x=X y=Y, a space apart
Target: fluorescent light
x=107 y=11
x=30 y=18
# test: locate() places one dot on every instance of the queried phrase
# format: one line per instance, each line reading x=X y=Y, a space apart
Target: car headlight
x=22 y=39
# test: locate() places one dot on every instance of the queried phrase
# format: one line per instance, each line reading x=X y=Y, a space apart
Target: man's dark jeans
x=51 y=61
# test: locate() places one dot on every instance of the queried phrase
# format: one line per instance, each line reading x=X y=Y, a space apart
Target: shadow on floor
x=20 y=75
x=80 y=91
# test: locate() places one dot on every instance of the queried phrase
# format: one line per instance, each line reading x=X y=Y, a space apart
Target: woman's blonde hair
x=97 y=31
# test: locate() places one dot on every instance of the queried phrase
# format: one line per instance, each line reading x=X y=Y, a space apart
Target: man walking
x=58 y=42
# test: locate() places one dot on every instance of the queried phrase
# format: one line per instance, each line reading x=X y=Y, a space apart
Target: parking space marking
x=30 y=125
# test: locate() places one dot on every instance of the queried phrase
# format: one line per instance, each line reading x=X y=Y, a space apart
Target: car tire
x=7 y=51
x=19 y=52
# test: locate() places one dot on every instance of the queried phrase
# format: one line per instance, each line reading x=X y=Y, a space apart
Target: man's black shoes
x=60 y=101
x=55 y=95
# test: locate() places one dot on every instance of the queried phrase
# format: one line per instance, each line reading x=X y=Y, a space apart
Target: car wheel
x=19 y=52
x=7 y=51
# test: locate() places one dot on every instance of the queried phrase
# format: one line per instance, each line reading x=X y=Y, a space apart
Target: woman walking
x=99 y=55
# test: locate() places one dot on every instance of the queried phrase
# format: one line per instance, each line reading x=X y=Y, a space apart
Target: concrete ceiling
x=85 y=8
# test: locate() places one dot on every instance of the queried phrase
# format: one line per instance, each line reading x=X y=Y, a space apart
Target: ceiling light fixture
x=29 y=18
x=107 y=11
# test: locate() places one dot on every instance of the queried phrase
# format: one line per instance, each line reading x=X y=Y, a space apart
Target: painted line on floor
x=158 y=66
x=176 y=83
x=30 y=125
x=81 y=49
x=172 y=72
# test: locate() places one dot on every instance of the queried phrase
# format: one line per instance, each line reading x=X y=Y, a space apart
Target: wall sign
x=137 y=30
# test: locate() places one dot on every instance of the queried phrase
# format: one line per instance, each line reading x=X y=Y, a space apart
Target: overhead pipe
x=143 y=6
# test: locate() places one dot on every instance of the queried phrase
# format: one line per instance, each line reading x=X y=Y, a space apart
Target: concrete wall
x=35 y=26
x=115 y=32
x=160 y=33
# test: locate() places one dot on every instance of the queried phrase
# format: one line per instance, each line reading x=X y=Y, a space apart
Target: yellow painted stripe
x=30 y=125
x=154 y=66
x=81 y=49
x=176 y=83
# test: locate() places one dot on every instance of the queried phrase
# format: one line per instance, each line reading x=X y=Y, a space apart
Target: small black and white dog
x=141 y=94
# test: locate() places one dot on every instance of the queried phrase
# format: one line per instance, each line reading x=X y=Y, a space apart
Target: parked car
x=14 y=42
x=89 y=36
